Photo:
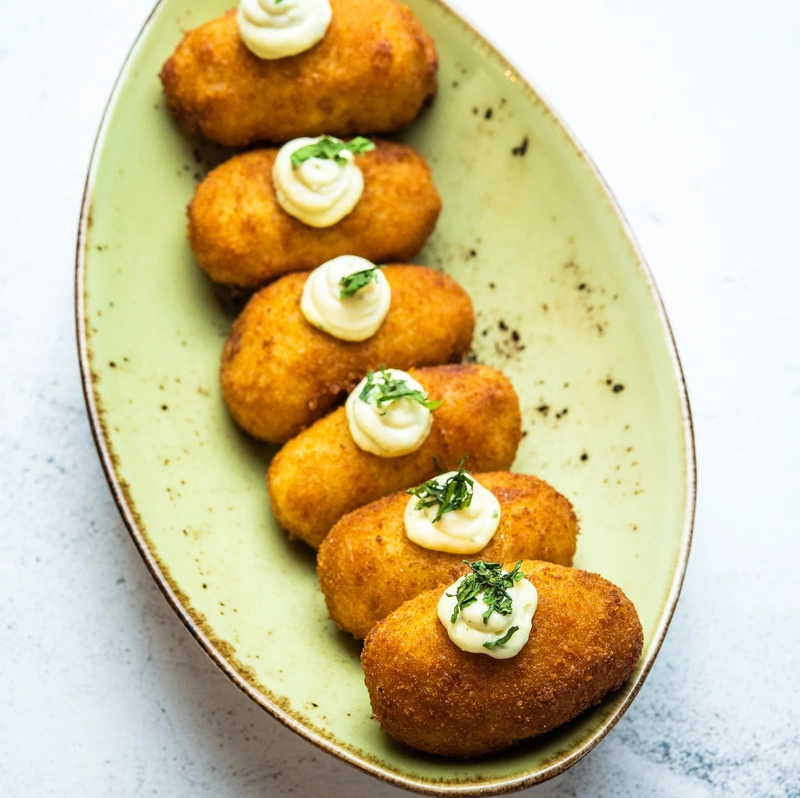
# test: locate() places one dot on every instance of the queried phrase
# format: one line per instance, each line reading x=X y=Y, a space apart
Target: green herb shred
x=330 y=149
x=487 y=578
x=455 y=493
x=502 y=640
x=353 y=283
x=388 y=390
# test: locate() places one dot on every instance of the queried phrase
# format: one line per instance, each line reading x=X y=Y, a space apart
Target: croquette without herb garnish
x=371 y=73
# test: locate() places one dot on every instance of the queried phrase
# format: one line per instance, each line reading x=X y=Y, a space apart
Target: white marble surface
x=691 y=110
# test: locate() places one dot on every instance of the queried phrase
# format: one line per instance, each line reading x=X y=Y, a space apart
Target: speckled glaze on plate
x=565 y=306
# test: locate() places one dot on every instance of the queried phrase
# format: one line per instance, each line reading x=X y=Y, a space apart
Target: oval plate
x=565 y=306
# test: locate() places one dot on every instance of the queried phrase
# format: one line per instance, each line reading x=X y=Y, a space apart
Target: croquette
x=279 y=373
x=242 y=237
x=367 y=565
x=371 y=73
x=321 y=475
x=426 y=692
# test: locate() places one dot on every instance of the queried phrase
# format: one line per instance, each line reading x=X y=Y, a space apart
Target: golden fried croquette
x=279 y=373
x=429 y=694
x=368 y=567
x=242 y=237
x=321 y=475
x=371 y=73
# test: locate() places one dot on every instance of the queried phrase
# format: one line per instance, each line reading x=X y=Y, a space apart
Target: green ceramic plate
x=565 y=306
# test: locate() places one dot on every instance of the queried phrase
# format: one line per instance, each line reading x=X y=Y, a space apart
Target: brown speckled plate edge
x=190 y=618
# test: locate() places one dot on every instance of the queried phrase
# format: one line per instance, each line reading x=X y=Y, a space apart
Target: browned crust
x=242 y=237
x=279 y=373
x=368 y=567
x=585 y=641
x=321 y=475
x=371 y=73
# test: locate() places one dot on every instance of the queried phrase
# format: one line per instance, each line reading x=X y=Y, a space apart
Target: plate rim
x=181 y=606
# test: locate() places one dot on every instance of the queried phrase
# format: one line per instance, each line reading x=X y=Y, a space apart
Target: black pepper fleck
x=521 y=149
x=618 y=387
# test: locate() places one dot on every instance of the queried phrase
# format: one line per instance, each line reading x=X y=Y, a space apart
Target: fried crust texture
x=429 y=694
x=279 y=373
x=368 y=567
x=321 y=475
x=241 y=237
x=371 y=73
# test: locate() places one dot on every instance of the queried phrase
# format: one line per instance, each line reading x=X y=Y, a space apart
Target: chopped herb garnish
x=487 y=578
x=389 y=389
x=330 y=149
x=455 y=493
x=503 y=640
x=353 y=283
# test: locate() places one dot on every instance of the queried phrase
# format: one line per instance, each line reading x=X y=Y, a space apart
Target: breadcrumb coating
x=429 y=694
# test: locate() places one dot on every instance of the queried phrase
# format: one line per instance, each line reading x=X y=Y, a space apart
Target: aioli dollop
x=273 y=29
x=391 y=429
x=463 y=531
x=469 y=632
x=353 y=318
x=319 y=192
